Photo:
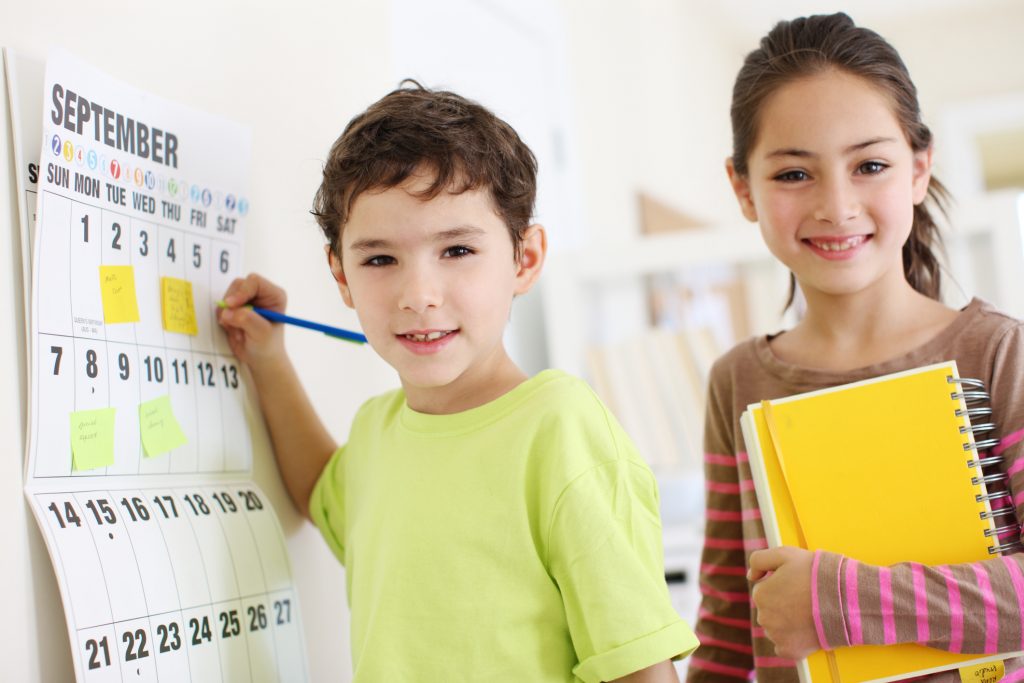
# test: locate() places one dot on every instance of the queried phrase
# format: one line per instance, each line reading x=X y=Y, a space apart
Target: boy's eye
x=871 y=167
x=794 y=176
x=379 y=261
x=457 y=251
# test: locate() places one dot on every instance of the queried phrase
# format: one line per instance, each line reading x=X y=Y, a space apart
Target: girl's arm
x=972 y=608
x=723 y=625
x=662 y=672
x=302 y=445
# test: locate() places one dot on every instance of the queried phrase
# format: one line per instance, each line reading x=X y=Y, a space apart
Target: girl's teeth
x=839 y=246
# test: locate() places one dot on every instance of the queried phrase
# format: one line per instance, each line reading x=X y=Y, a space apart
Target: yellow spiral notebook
x=883 y=471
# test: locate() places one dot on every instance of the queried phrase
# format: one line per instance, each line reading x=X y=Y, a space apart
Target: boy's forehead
x=404 y=211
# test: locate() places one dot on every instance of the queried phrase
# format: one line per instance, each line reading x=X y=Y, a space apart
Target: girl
x=831 y=158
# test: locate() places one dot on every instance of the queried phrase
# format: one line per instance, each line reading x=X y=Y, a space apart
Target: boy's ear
x=339 y=275
x=534 y=249
x=922 y=174
x=741 y=188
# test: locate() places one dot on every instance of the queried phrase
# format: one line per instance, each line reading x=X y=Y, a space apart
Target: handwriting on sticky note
x=117 y=288
x=159 y=428
x=92 y=439
x=179 y=309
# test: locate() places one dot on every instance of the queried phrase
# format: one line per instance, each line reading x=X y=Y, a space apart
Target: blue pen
x=336 y=332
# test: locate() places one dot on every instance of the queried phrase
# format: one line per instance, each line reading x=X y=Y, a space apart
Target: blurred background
x=653 y=271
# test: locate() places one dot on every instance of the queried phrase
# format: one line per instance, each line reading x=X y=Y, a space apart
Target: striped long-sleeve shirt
x=971 y=608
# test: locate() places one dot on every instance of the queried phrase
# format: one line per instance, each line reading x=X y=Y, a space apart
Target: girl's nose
x=837 y=202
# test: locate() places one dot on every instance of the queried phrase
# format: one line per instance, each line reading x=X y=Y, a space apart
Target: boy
x=493 y=527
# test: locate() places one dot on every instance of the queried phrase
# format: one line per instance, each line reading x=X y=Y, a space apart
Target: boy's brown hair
x=414 y=128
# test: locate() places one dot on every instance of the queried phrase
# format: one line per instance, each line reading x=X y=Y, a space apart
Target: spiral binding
x=973 y=392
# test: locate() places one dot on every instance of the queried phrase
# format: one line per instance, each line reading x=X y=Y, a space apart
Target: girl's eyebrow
x=803 y=153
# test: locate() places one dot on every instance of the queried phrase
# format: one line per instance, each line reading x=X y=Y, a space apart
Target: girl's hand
x=782 y=594
x=252 y=338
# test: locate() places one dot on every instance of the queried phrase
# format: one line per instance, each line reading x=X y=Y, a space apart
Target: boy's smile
x=432 y=281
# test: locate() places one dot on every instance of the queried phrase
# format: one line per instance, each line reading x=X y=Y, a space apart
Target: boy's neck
x=478 y=385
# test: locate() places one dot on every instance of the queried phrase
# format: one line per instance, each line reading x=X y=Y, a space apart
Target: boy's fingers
x=764 y=561
x=245 y=320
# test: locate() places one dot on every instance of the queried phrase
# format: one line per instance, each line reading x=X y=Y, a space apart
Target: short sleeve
x=327 y=504
x=605 y=552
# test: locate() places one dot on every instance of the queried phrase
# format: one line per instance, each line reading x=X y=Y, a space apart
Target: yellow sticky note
x=117 y=286
x=159 y=428
x=983 y=673
x=92 y=439
x=179 y=309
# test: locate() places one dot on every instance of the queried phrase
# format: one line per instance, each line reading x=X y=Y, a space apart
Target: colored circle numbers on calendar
x=174 y=584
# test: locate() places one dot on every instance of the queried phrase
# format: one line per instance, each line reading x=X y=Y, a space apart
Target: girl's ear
x=534 y=249
x=922 y=174
x=741 y=188
x=334 y=263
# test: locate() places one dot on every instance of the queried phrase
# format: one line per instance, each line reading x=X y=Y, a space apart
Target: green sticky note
x=159 y=428
x=117 y=289
x=92 y=439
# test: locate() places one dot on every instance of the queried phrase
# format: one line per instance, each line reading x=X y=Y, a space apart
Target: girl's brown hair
x=811 y=45
x=414 y=128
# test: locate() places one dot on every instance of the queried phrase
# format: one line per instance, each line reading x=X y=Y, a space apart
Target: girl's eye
x=378 y=261
x=457 y=251
x=871 y=168
x=794 y=176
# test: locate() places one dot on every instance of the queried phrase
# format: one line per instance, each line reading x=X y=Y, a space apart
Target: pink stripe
x=755 y=544
x=766 y=662
x=1016 y=467
x=956 y=611
x=719 y=515
x=718 y=459
x=708 y=641
x=729 y=596
x=1018 y=498
x=727 y=621
x=742 y=457
x=1015 y=532
x=991 y=613
x=853 y=603
x=1000 y=502
x=715 y=667
x=1017 y=579
x=716 y=515
x=885 y=595
x=729 y=487
x=920 y=603
x=758 y=632
x=724 y=543
x=1007 y=441
x=721 y=569
x=1015 y=677
x=819 y=628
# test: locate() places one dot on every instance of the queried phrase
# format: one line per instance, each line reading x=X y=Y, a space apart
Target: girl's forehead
x=826 y=110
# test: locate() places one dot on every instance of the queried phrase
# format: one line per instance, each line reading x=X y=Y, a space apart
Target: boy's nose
x=837 y=202
x=420 y=291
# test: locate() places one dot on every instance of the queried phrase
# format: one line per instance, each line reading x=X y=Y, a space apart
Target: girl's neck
x=842 y=333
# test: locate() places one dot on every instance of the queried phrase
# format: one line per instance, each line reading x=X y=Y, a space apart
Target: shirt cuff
x=672 y=642
x=827 y=600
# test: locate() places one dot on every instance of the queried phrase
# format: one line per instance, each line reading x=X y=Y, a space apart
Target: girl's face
x=833 y=182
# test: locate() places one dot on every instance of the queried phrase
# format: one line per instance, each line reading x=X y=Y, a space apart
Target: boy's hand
x=782 y=594
x=252 y=337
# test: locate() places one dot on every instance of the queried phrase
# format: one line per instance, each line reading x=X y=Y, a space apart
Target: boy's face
x=432 y=282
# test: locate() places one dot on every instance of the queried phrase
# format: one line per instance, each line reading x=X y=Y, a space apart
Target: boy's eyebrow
x=803 y=153
x=458 y=232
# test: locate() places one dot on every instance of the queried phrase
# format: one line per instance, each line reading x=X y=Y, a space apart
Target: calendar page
x=170 y=561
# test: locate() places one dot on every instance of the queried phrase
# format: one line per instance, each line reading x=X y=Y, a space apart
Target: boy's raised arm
x=302 y=445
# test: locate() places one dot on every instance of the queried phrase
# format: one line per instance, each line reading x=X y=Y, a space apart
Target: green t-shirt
x=516 y=541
